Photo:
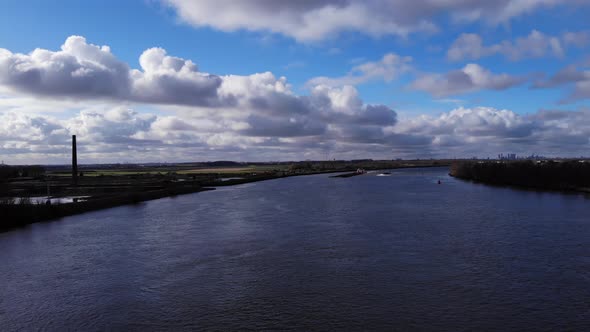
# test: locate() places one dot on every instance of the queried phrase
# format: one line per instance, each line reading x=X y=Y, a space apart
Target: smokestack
x=74 y=161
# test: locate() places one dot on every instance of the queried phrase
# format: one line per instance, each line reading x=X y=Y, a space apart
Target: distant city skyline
x=180 y=81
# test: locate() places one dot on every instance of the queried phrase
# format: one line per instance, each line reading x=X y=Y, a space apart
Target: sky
x=277 y=80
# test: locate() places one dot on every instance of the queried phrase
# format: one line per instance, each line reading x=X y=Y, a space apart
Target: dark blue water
x=313 y=252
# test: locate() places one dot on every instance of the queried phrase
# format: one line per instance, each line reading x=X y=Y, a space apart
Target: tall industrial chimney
x=74 y=161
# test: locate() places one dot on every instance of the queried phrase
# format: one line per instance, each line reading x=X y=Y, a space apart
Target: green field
x=178 y=170
x=225 y=170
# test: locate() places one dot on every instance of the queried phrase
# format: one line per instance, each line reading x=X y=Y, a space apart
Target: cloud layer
x=215 y=111
x=316 y=20
x=121 y=134
x=577 y=79
x=169 y=110
x=386 y=69
x=472 y=77
x=470 y=46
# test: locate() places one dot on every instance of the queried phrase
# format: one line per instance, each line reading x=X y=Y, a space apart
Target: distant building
x=510 y=156
x=514 y=156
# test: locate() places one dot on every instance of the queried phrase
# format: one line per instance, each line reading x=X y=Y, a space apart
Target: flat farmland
x=181 y=170
x=225 y=170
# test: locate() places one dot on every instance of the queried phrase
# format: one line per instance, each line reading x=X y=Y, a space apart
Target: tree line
x=10 y=172
x=563 y=175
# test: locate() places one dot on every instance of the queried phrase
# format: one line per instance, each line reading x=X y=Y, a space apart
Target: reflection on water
x=314 y=252
x=228 y=179
x=51 y=199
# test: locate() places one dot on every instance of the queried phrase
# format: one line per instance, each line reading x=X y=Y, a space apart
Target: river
x=397 y=252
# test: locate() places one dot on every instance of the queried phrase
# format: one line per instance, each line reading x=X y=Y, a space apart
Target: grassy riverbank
x=19 y=214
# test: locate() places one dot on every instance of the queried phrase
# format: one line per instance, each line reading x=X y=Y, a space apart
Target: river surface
x=397 y=252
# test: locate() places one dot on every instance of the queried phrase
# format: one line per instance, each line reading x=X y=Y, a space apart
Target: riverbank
x=346 y=174
x=108 y=192
x=565 y=176
x=20 y=215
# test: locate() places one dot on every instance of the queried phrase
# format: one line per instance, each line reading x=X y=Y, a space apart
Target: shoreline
x=262 y=178
x=22 y=215
x=567 y=191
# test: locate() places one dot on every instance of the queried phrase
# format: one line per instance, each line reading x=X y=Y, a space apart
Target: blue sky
x=379 y=79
